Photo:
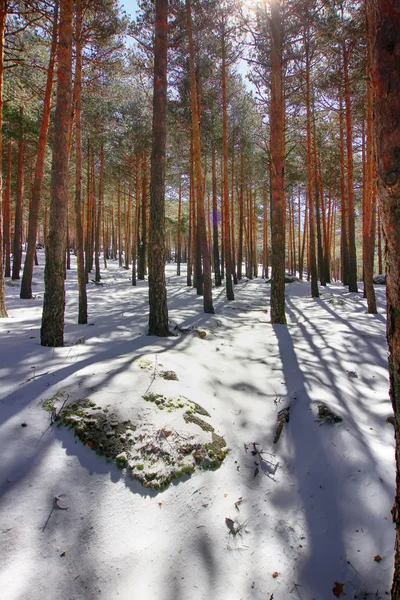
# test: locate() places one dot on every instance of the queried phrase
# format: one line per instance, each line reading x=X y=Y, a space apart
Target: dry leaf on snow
x=338 y=589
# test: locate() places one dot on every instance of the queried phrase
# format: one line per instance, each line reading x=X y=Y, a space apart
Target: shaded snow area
x=307 y=517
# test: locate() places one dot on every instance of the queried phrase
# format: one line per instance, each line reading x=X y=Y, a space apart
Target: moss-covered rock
x=152 y=456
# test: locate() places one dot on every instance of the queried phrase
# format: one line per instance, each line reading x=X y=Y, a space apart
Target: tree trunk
x=241 y=218
x=137 y=216
x=385 y=34
x=52 y=330
x=80 y=259
x=17 y=242
x=310 y=181
x=7 y=214
x=350 y=179
x=97 y=216
x=3 y=16
x=232 y=211
x=190 y=220
x=178 y=256
x=278 y=208
x=217 y=271
x=26 y=282
x=143 y=230
x=225 y=198
x=344 y=244
x=380 y=259
x=201 y=221
x=265 y=273
x=158 y=316
x=369 y=190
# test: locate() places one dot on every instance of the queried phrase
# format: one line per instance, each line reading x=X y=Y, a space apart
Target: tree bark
x=178 y=256
x=350 y=179
x=310 y=181
x=137 y=216
x=52 y=330
x=344 y=243
x=17 y=242
x=7 y=214
x=369 y=189
x=217 y=271
x=201 y=220
x=26 y=282
x=227 y=225
x=80 y=259
x=278 y=207
x=158 y=316
x=385 y=34
x=143 y=231
x=3 y=16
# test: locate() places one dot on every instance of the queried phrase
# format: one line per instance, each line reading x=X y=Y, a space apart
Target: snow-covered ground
x=314 y=519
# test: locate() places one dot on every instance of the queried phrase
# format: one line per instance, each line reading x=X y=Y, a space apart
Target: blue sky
x=130 y=6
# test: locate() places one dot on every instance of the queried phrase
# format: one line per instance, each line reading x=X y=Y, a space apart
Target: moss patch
x=169 y=375
x=175 y=403
x=190 y=418
x=145 y=364
x=50 y=402
x=98 y=430
x=152 y=456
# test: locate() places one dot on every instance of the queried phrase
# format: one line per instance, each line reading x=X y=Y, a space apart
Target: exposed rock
x=326 y=415
x=153 y=456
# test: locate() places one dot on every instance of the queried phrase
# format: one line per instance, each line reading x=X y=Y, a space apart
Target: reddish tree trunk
x=369 y=189
x=278 y=208
x=227 y=224
x=17 y=242
x=3 y=16
x=7 y=214
x=52 y=330
x=310 y=183
x=385 y=36
x=350 y=179
x=26 y=282
x=201 y=220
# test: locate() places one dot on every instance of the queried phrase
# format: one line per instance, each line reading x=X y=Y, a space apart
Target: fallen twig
x=35 y=377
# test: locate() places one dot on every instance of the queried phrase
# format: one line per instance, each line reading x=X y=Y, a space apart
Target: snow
x=315 y=510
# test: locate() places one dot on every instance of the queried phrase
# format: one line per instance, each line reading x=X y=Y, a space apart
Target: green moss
x=50 y=402
x=169 y=375
x=165 y=453
x=199 y=409
x=192 y=418
x=145 y=363
x=121 y=460
x=152 y=397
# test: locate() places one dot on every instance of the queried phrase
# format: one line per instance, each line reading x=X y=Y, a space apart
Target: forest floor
x=307 y=517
